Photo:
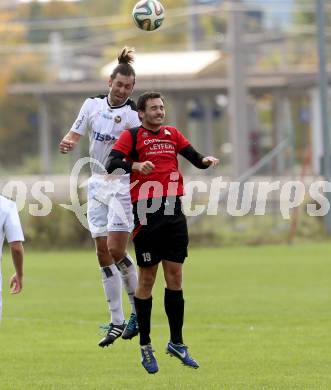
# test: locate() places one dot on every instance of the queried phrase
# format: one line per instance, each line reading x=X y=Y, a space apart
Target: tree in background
x=52 y=11
x=304 y=22
x=17 y=137
x=304 y=17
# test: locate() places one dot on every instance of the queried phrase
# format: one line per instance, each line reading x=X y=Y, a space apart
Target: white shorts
x=109 y=207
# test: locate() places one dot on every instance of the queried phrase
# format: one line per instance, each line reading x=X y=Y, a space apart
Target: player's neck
x=150 y=127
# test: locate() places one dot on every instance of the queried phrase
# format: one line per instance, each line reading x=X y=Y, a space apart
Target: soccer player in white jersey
x=105 y=117
x=10 y=228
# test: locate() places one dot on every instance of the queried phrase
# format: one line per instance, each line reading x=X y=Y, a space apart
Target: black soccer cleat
x=131 y=330
x=113 y=333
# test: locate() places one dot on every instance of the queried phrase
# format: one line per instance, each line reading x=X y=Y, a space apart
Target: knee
x=116 y=253
x=102 y=253
x=174 y=280
x=147 y=282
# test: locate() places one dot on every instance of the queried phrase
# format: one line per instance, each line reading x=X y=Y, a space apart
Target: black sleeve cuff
x=116 y=161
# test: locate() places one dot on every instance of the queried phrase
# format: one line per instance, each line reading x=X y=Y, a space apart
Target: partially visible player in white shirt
x=110 y=217
x=10 y=228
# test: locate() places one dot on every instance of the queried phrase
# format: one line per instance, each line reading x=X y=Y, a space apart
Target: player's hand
x=16 y=284
x=66 y=146
x=210 y=161
x=145 y=167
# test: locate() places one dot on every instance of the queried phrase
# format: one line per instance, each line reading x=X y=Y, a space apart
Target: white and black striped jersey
x=105 y=123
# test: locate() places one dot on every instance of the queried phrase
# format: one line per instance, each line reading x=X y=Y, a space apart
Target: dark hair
x=141 y=104
x=124 y=67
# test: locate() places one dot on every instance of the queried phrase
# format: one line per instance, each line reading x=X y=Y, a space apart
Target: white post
x=44 y=136
x=238 y=118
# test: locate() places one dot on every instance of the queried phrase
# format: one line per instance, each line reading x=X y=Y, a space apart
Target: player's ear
x=110 y=82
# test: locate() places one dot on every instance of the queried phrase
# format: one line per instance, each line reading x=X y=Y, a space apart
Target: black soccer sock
x=174 y=307
x=144 y=310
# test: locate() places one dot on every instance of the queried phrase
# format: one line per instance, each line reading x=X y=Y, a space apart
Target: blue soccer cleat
x=148 y=359
x=181 y=353
x=131 y=330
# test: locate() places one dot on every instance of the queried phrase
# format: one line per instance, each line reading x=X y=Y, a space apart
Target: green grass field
x=256 y=318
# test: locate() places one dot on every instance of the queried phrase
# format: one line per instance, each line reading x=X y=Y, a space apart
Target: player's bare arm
x=16 y=281
x=69 y=142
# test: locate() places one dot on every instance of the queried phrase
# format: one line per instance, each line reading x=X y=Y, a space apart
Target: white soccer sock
x=112 y=285
x=129 y=276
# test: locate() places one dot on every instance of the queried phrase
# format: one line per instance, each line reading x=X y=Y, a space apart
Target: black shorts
x=161 y=235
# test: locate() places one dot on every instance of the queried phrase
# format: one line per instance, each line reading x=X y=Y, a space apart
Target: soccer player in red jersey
x=150 y=152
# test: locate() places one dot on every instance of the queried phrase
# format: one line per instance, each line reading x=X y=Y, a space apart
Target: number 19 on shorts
x=147 y=257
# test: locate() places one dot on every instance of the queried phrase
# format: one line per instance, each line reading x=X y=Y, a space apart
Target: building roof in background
x=186 y=63
x=181 y=72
